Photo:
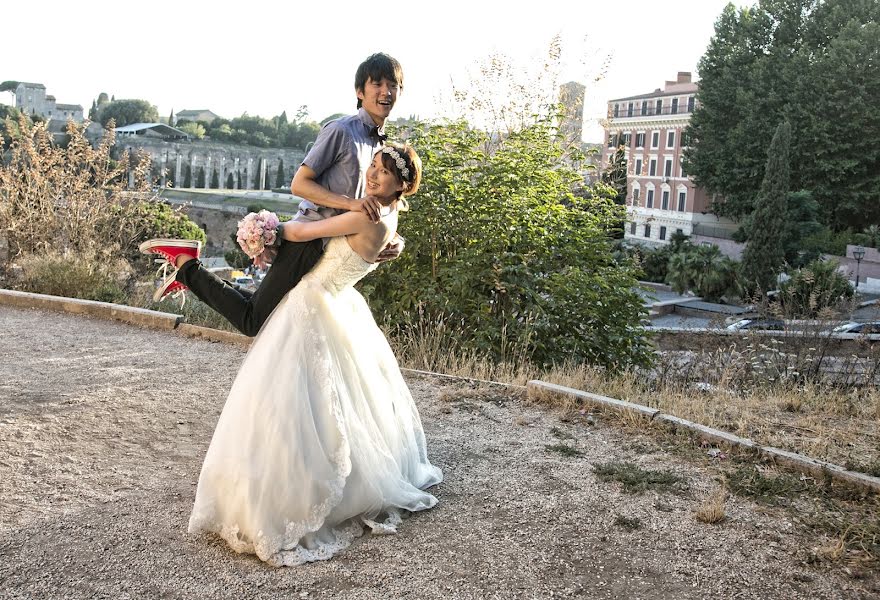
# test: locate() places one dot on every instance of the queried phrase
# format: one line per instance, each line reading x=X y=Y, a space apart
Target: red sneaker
x=171 y=249
x=170 y=287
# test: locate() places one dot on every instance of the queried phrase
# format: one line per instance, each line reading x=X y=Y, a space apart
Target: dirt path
x=101 y=442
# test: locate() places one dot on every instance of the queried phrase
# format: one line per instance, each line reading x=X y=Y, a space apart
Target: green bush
x=813 y=289
x=498 y=240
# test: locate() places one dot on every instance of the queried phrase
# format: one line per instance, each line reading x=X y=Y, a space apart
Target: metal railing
x=651 y=111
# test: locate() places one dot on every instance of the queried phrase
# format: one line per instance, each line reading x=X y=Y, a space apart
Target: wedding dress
x=319 y=435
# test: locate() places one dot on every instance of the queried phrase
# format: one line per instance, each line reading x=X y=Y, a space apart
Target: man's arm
x=304 y=185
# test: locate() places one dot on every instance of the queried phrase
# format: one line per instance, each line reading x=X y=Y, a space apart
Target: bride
x=320 y=436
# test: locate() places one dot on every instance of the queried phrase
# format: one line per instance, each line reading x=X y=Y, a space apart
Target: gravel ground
x=103 y=427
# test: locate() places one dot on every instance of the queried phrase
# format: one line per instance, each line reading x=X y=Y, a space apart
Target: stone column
x=236 y=182
x=208 y=172
x=249 y=173
x=178 y=165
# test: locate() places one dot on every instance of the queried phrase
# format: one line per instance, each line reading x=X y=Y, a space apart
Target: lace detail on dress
x=340 y=267
x=319 y=436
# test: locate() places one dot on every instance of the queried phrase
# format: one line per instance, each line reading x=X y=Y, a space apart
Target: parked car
x=757 y=324
x=245 y=281
x=853 y=327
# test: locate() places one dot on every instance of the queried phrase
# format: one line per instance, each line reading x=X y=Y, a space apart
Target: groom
x=331 y=179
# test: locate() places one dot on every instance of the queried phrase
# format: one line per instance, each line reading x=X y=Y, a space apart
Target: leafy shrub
x=498 y=241
x=816 y=287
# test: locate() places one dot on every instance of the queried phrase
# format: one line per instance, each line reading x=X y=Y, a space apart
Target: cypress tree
x=188 y=178
x=279 y=179
x=764 y=254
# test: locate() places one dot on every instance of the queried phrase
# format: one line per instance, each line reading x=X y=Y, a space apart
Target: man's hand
x=266 y=258
x=392 y=250
x=370 y=206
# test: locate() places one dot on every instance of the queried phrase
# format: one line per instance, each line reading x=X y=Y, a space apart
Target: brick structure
x=661 y=198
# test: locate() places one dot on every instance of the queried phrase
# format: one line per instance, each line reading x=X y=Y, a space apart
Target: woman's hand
x=392 y=250
x=266 y=258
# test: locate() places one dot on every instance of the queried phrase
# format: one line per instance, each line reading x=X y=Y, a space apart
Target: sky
x=263 y=58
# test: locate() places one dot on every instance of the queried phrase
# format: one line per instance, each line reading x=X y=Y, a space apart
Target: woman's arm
x=344 y=224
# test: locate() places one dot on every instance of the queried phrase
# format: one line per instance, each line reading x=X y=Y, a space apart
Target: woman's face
x=382 y=181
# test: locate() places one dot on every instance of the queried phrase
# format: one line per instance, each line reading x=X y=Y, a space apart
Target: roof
x=676 y=90
x=32 y=85
x=160 y=128
x=68 y=107
x=195 y=112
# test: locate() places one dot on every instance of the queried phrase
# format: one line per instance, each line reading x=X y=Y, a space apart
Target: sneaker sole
x=147 y=246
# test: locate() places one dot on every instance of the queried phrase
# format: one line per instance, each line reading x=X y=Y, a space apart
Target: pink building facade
x=661 y=197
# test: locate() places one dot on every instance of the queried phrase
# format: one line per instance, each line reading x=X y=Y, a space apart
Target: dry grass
x=712 y=509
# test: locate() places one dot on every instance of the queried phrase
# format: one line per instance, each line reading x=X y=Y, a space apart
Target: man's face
x=378 y=98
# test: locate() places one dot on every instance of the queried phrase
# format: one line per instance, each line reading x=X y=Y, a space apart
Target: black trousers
x=247 y=311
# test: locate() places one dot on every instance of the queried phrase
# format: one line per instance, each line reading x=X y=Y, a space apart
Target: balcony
x=623 y=113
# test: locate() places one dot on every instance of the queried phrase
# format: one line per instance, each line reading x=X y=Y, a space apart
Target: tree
x=187 y=179
x=171 y=118
x=8 y=86
x=200 y=178
x=764 y=256
x=93 y=111
x=126 y=112
x=230 y=181
x=215 y=180
x=280 y=180
x=615 y=174
x=799 y=224
x=813 y=64
x=502 y=246
x=195 y=130
x=103 y=99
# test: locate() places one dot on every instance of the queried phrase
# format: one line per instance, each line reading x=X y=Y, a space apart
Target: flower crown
x=398 y=161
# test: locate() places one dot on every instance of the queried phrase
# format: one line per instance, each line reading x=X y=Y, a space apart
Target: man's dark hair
x=377 y=67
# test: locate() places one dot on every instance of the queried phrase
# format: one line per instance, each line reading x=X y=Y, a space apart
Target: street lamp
x=858 y=254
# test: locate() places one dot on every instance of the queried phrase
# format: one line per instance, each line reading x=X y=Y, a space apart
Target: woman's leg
x=247 y=312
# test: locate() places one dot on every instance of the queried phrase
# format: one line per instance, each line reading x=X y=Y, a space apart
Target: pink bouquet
x=256 y=231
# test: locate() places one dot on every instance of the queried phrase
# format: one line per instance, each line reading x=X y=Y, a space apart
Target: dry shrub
x=74 y=199
x=712 y=509
x=74 y=276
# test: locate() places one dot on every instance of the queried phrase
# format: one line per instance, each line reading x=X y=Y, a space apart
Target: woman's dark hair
x=377 y=67
x=413 y=165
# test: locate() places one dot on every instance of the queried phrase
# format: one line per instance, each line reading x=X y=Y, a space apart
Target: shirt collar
x=367 y=120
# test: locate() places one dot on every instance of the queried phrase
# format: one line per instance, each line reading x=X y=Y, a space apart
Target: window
x=647 y=231
x=611 y=140
x=629 y=110
x=682 y=200
x=655 y=139
x=616 y=110
x=670 y=139
x=638 y=169
x=667 y=168
x=640 y=139
x=632 y=227
x=690 y=104
x=649 y=201
x=652 y=168
x=683 y=172
x=665 y=202
x=627 y=138
x=674 y=107
x=659 y=107
x=679 y=230
x=644 y=107
x=662 y=232
x=636 y=194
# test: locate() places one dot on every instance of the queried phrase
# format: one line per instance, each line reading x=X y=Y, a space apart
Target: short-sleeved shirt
x=340 y=158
